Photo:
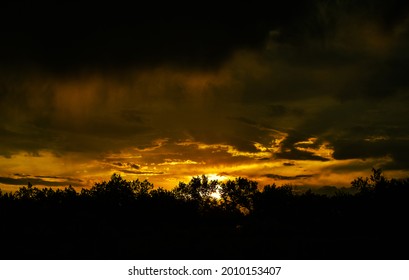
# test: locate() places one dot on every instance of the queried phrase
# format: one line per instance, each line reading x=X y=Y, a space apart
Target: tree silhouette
x=238 y=194
x=199 y=190
x=376 y=182
x=121 y=219
x=273 y=200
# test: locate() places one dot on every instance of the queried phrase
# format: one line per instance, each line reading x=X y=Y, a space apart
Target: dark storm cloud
x=397 y=149
x=291 y=148
x=41 y=180
x=288 y=84
x=26 y=139
x=353 y=166
x=66 y=37
x=75 y=35
x=279 y=110
x=239 y=132
x=295 y=154
x=350 y=59
x=131 y=115
x=46 y=113
x=390 y=77
x=59 y=141
x=341 y=48
x=321 y=19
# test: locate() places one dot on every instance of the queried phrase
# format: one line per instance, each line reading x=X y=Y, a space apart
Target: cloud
x=314 y=86
x=112 y=38
x=51 y=181
x=179 y=162
x=134 y=166
x=282 y=177
x=143 y=172
x=394 y=148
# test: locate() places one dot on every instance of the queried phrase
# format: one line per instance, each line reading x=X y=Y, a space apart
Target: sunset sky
x=314 y=93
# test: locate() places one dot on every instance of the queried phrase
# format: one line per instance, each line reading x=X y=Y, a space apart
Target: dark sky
x=307 y=92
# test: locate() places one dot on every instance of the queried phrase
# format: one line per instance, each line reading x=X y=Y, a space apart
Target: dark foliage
x=205 y=219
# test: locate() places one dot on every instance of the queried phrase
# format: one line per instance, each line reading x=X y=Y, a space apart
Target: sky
x=313 y=93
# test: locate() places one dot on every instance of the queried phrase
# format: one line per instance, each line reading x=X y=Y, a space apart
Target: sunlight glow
x=216 y=194
x=214 y=177
x=324 y=150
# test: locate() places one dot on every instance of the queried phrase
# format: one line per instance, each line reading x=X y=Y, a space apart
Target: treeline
x=205 y=219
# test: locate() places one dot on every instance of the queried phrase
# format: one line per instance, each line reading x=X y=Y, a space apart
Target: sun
x=216 y=177
x=216 y=194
